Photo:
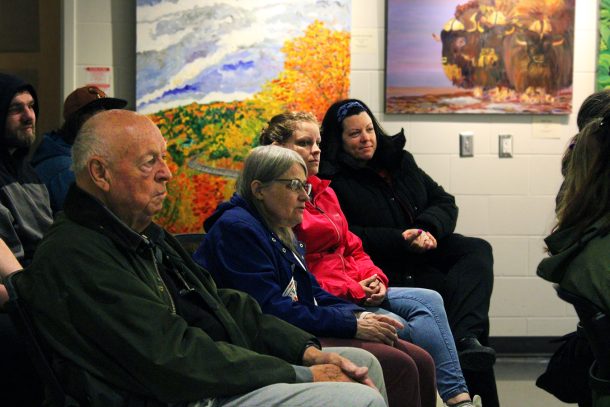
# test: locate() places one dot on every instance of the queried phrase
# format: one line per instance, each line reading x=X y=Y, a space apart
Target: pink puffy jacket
x=334 y=254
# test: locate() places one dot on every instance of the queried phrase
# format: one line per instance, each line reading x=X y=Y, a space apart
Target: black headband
x=342 y=112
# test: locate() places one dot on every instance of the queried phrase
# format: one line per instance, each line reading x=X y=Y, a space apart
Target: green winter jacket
x=581 y=266
x=98 y=300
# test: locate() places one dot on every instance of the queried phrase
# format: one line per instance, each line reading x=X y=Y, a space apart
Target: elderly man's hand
x=332 y=367
x=378 y=328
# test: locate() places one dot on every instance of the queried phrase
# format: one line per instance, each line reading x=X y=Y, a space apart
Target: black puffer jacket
x=379 y=211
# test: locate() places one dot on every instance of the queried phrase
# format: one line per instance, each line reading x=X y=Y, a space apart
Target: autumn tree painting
x=208 y=141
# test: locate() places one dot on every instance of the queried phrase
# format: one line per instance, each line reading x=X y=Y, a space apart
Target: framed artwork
x=211 y=73
x=479 y=56
x=602 y=80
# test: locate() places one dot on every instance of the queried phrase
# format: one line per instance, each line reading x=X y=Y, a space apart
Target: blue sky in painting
x=218 y=50
x=414 y=57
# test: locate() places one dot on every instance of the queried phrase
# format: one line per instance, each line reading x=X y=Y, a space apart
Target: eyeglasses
x=295 y=184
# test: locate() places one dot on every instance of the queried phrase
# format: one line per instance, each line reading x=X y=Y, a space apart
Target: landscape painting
x=211 y=73
x=479 y=56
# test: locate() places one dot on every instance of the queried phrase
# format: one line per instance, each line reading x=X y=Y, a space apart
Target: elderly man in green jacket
x=133 y=320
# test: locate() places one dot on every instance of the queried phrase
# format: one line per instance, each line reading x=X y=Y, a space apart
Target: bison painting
x=526 y=45
x=496 y=56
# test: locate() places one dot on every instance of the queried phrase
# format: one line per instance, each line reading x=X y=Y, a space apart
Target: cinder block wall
x=509 y=202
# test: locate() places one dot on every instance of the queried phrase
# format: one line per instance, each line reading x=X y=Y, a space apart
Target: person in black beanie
x=25 y=214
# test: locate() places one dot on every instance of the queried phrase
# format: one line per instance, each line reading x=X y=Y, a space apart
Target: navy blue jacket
x=242 y=253
x=52 y=160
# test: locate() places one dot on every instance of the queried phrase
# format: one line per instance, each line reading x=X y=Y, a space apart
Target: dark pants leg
x=461 y=270
x=484 y=384
x=19 y=382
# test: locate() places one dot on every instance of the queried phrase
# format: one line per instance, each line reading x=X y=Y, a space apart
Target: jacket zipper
x=162 y=286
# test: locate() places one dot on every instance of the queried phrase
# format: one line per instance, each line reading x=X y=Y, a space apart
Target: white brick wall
x=509 y=202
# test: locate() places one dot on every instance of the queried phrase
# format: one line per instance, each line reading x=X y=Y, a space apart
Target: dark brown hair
x=586 y=190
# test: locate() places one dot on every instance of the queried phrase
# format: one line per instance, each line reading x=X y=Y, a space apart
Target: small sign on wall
x=99 y=76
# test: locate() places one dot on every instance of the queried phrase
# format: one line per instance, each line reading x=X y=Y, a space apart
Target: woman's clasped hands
x=375 y=291
x=421 y=241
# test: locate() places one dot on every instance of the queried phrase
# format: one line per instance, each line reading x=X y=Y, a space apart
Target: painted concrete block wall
x=509 y=202
x=101 y=33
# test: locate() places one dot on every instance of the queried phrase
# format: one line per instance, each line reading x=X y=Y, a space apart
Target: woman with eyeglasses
x=336 y=258
x=250 y=246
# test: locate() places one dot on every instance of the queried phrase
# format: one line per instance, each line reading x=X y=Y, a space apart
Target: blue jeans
x=422 y=313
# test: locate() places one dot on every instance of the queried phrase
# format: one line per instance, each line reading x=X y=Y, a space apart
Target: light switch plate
x=505 y=146
x=466 y=144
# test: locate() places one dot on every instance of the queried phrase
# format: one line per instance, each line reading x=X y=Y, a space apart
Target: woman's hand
x=420 y=240
x=370 y=286
x=377 y=298
x=378 y=328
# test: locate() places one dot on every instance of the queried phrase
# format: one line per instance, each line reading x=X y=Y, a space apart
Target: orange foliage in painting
x=204 y=140
x=315 y=70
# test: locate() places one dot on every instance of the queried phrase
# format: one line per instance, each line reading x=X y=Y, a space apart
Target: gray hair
x=264 y=164
x=87 y=144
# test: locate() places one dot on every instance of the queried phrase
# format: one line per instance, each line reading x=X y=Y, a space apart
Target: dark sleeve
x=440 y=213
x=267 y=333
x=378 y=241
x=381 y=241
x=324 y=298
x=235 y=253
x=58 y=188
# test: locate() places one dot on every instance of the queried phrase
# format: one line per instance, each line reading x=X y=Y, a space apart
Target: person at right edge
x=407 y=225
x=579 y=245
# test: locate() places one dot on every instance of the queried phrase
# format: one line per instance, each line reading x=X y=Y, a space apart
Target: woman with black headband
x=406 y=222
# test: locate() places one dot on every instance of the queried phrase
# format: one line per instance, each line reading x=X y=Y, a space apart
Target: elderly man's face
x=138 y=176
x=19 y=131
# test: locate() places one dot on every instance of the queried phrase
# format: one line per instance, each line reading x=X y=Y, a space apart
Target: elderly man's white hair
x=88 y=143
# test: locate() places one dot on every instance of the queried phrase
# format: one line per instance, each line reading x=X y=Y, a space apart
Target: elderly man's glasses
x=295 y=184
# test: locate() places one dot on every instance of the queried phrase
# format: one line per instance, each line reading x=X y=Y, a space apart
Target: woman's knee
x=427 y=298
x=481 y=248
x=430 y=297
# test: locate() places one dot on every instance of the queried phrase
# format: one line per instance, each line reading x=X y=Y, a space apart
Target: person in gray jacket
x=25 y=214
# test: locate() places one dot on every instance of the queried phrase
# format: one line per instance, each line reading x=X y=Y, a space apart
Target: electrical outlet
x=466 y=144
x=505 y=146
